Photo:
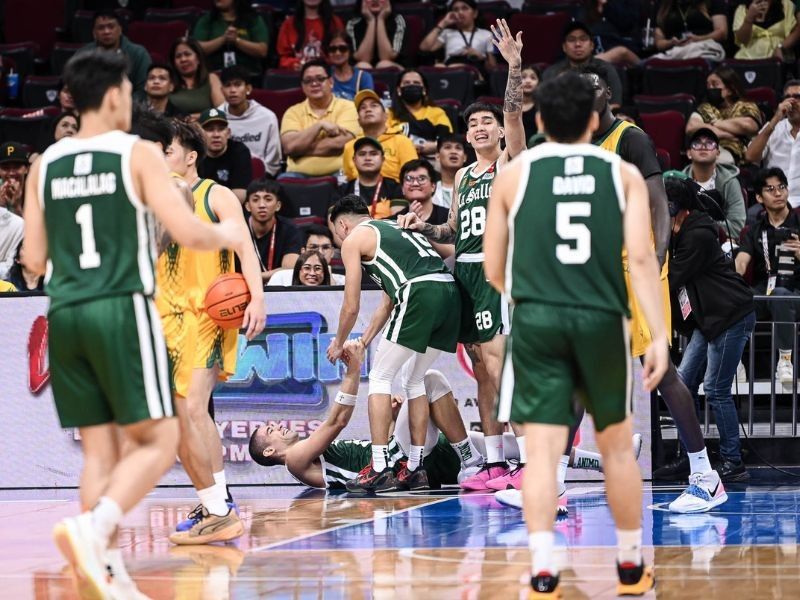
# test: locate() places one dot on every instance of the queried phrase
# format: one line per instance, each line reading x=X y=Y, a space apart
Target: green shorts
x=427 y=315
x=554 y=352
x=484 y=312
x=108 y=362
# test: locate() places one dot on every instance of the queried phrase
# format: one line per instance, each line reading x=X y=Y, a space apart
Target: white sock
x=414 y=457
x=494 y=449
x=379 y=456
x=118 y=570
x=541 y=547
x=629 y=546
x=523 y=453
x=561 y=473
x=698 y=462
x=587 y=460
x=467 y=452
x=219 y=477
x=213 y=499
x=106 y=516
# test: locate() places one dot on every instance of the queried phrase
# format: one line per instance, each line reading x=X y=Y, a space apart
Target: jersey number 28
x=579 y=250
x=473 y=222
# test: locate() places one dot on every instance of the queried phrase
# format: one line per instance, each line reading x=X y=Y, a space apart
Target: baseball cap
x=211 y=115
x=702 y=132
x=13 y=152
x=367 y=141
x=364 y=94
x=576 y=26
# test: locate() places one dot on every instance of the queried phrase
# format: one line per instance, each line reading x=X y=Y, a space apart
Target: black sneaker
x=676 y=469
x=413 y=480
x=634 y=580
x=731 y=472
x=544 y=585
x=369 y=480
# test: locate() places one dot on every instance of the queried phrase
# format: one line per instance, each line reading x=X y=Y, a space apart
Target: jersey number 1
x=580 y=250
x=90 y=257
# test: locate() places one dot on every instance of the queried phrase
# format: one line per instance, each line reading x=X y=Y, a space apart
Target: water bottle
x=12 y=85
x=386 y=100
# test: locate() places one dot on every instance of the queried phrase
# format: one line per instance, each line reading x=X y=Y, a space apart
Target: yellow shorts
x=640 y=332
x=195 y=342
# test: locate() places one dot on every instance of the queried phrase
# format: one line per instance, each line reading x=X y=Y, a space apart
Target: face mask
x=714 y=96
x=412 y=93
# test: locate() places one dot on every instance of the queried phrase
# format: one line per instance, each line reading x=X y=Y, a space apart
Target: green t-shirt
x=252 y=29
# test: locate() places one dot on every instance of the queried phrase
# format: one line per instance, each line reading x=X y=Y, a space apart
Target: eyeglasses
x=311 y=268
x=317 y=79
x=703 y=145
x=416 y=179
x=320 y=247
x=334 y=49
x=792 y=96
x=774 y=188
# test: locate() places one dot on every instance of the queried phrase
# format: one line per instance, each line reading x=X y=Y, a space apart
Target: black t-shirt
x=438 y=216
x=529 y=123
x=287 y=241
x=782 y=263
x=395 y=31
x=691 y=19
x=390 y=195
x=232 y=169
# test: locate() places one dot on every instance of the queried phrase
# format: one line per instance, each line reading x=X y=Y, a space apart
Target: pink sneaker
x=477 y=483
x=508 y=481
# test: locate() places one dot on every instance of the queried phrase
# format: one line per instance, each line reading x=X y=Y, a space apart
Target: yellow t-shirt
x=763 y=41
x=300 y=116
x=398 y=149
x=430 y=122
x=7 y=287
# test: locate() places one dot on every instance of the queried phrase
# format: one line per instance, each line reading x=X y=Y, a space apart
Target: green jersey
x=473 y=201
x=565 y=229
x=401 y=256
x=99 y=234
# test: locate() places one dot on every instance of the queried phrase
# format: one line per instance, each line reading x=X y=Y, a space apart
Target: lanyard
x=271 y=256
x=765 y=248
x=471 y=37
x=374 y=204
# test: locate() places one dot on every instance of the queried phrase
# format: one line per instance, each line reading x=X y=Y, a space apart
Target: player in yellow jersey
x=202 y=353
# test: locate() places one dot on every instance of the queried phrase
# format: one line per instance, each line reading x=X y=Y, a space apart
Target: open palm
x=504 y=41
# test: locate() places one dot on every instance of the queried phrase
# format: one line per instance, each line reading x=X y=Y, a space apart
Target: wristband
x=345 y=399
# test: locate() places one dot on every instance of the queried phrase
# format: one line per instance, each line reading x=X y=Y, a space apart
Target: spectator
x=13 y=172
x=21 y=278
x=413 y=111
x=315 y=131
x=347 y=80
x=311 y=269
x=65 y=102
x=107 y=33
x=452 y=155
x=763 y=28
x=531 y=76
x=714 y=308
x=777 y=144
x=607 y=20
x=319 y=239
x=691 y=29
x=158 y=87
x=65 y=125
x=776 y=268
x=252 y=124
x=398 y=148
x=304 y=35
x=12 y=228
x=732 y=118
x=276 y=239
x=378 y=34
x=702 y=152
x=233 y=34
x=196 y=89
x=578 y=49
x=463 y=41
x=419 y=182
x=382 y=194
x=226 y=161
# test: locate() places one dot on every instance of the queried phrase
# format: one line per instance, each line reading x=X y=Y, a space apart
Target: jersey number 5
x=89 y=257
x=579 y=250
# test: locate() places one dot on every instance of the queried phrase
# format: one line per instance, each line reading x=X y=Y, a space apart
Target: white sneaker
x=122 y=586
x=784 y=372
x=467 y=472
x=705 y=491
x=513 y=498
x=637 y=445
x=741 y=374
x=80 y=545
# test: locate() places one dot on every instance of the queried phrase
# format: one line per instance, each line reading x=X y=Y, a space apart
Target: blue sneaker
x=197 y=513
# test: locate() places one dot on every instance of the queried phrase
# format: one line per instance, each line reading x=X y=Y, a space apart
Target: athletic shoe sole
x=712 y=504
x=225 y=534
x=67 y=542
x=640 y=588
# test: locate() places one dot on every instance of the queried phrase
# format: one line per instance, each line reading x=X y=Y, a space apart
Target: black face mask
x=714 y=96
x=412 y=93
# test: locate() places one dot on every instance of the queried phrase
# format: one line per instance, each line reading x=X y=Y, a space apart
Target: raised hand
x=508 y=46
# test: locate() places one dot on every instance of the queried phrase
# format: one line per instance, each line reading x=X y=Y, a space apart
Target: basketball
x=226 y=300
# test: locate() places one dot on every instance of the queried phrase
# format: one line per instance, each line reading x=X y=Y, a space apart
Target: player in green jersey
x=566 y=208
x=484 y=312
x=88 y=216
x=421 y=309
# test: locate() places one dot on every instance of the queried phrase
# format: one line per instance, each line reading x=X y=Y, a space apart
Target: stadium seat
x=545 y=7
x=454 y=109
x=278 y=101
x=497 y=80
x=35 y=132
x=666 y=77
x=767 y=72
x=415 y=33
x=201 y=4
x=257 y=167
x=36 y=22
x=80 y=27
x=188 y=15
x=281 y=79
x=23 y=55
x=456 y=82
x=667 y=130
x=156 y=37
x=388 y=76
x=308 y=197
x=50 y=111
x=423 y=11
x=766 y=99
x=663 y=159
x=499 y=9
x=545 y=46
x=40 y=91
x=496 y=100
x=683 y=103
x=61 y=53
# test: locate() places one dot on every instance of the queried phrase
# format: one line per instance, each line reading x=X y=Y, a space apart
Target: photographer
x=713 y=306
x=773 y=246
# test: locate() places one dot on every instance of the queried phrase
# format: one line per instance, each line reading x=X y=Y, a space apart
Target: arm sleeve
x=272 y=150
x=738 y=19
x=367 y=83
x=637 y=148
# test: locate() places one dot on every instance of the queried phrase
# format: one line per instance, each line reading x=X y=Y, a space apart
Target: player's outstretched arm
x=34 y=245
x=511 y=49
x=495 y=239
x=645 y=273
x=351 y=257
x=226 y=206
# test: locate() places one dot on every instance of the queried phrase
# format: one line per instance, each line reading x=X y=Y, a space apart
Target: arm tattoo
x=443 y=234
x=513 y=99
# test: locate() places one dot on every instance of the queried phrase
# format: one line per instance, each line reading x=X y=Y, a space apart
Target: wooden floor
x=308 y=545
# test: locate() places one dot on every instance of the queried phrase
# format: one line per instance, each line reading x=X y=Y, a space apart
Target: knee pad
x=436 y=385
x=380 y=383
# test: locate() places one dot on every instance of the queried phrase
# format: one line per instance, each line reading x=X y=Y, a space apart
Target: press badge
x=228 y=58
x=771 y=281
x=683 y=300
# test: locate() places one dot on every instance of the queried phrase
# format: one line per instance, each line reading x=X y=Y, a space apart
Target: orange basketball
x=226 y=300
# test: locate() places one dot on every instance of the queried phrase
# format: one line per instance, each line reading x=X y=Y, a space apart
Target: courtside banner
x=282 y=377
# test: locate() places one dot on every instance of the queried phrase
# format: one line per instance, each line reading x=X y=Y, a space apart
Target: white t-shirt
x=455 y=41
x=783 y=151
x=443 y=196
